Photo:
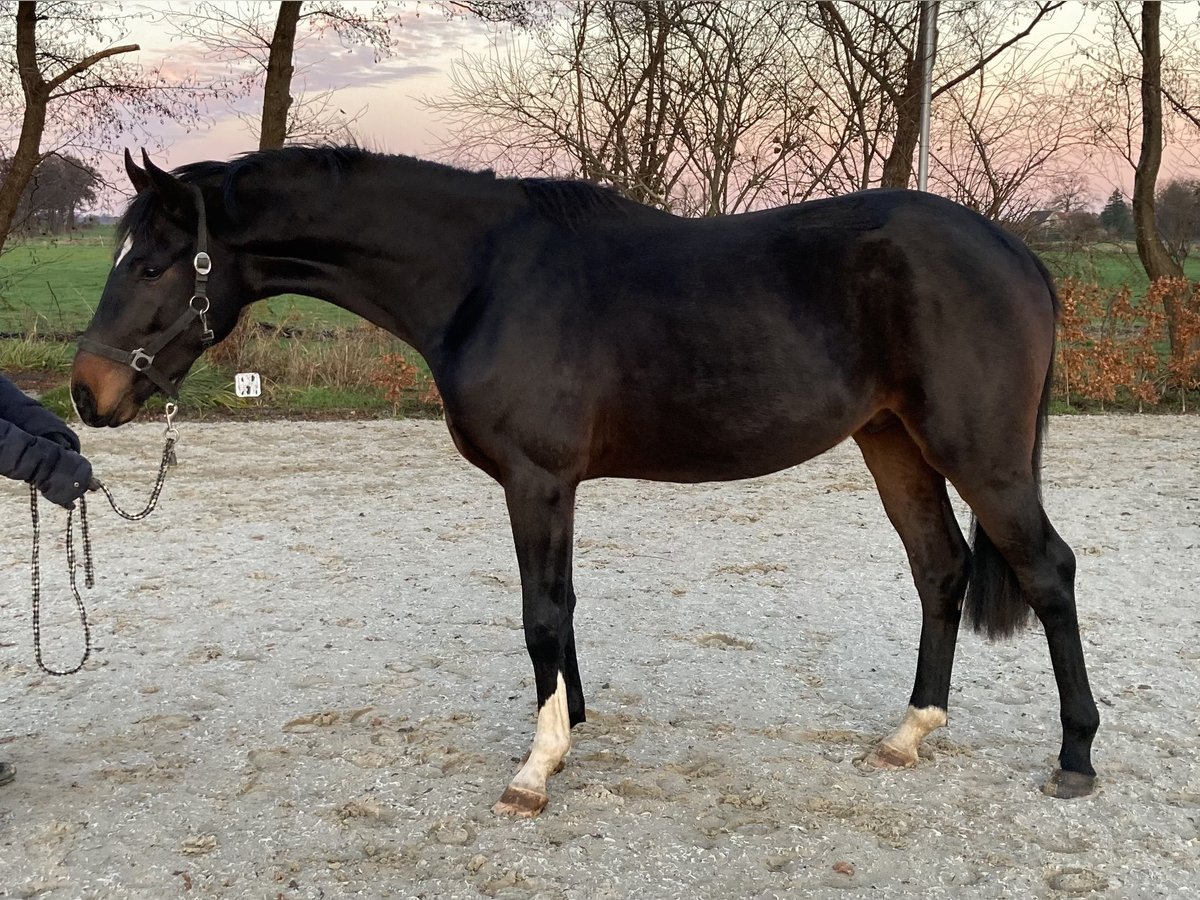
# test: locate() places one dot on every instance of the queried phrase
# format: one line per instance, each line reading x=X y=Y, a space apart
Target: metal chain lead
x=89 y=580
x=168 y=459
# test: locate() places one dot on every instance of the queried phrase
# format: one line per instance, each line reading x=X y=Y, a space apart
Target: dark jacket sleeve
x=30 y=416
x=61 y=475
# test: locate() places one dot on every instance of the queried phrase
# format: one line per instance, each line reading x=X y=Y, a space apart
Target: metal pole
x=926 y=49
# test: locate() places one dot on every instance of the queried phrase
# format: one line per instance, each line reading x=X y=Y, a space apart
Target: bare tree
x=715 y=107
x=87 y=95
x=685 y=104
x=1178 y=213
x=1148 y=76
x=519 y=13
x=56 y=190
x=259 y=43
x=747 y=122
x=1151 y=249
x=1001 y=141
x=881 y=40
x=586 y=97
x=849 y=112
x=277 y=87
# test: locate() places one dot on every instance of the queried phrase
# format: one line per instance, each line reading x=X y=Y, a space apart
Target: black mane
x=571 y=202
x=565 y=201
x=326 y=161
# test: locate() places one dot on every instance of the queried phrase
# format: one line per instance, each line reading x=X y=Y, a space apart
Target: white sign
x=247 y=384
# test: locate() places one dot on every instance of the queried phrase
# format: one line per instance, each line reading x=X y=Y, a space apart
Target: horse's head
x=155 y=316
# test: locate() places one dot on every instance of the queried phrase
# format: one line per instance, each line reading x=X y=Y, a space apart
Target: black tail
x=995 y=605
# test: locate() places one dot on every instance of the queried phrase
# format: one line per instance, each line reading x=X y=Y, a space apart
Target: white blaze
x=125 y=248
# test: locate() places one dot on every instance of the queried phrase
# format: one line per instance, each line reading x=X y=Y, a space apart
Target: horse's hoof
x=520 y=802
x=1069 y=785
x=885 y=756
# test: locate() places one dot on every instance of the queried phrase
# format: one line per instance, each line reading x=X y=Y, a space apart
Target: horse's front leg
x=542 y=510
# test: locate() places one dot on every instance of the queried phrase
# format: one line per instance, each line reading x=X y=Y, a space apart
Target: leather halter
x=142 y=359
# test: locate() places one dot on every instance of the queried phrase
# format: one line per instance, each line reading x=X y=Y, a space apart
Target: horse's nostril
x=85 y=403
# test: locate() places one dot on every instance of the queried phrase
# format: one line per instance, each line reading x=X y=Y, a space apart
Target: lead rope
x=168 y=459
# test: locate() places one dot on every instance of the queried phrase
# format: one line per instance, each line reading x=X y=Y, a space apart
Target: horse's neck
x=400 y=256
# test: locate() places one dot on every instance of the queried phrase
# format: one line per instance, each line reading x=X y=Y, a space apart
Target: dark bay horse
x=574 y=334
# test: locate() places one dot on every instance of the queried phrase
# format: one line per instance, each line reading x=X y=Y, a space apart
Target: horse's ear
x=137 y=177
x=173 y=192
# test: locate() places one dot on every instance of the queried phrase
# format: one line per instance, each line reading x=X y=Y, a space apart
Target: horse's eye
x=151 y=272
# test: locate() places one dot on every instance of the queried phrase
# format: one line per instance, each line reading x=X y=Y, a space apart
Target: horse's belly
x=731 y=444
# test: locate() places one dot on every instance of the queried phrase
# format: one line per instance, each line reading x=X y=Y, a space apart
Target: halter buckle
x=202 y=263
x=141 y=360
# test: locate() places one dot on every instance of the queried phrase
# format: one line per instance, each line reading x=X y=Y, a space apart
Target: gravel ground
x=310 y=681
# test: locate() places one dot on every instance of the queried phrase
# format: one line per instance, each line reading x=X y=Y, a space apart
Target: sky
x=387 y=93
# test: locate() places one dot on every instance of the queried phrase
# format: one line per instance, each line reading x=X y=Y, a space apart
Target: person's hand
x=67 y=481
x=64 y=437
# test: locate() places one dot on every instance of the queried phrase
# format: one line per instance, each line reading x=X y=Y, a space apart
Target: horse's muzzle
x=101 y=391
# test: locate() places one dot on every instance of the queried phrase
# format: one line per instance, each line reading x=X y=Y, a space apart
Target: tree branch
x=830 y=11
x=86 y=63
x=1185 y=111
x=1045 y=10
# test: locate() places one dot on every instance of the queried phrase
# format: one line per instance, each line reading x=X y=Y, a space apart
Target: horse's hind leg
x=1017 y=531
x=914 y=496
x=542 y=510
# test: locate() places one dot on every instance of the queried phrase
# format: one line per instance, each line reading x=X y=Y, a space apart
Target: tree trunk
x=277 y=100
x=277 y=92
x=38 y=92
x=897 y=168
x=1151 y=249
x=25 y=160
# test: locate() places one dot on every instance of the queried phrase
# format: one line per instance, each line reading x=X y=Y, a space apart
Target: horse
x=574 y=334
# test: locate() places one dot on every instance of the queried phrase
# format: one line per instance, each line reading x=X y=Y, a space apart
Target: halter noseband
x=142 y=359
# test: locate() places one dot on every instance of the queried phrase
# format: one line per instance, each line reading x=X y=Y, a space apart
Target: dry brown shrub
x=1112 y=350
x=1183 y=298
x=359 y=357
x=406 y=385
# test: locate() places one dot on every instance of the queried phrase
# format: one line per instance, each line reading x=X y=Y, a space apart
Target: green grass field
x=1109 y=265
